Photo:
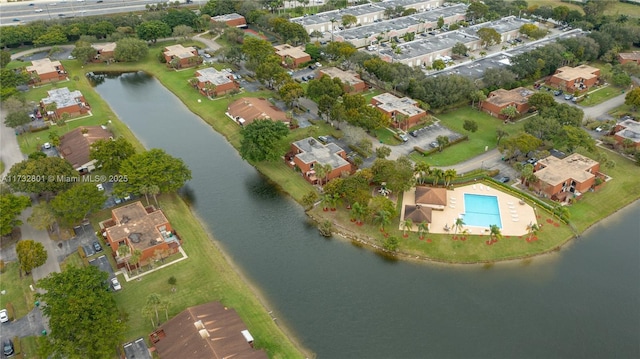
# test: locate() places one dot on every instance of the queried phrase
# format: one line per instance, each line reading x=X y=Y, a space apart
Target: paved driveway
x=103 y=264
x=423 y=138
x=31 y=324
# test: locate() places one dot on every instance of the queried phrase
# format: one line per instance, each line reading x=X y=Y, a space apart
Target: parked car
x=97 y=247
x=504 y=179
x=434 y=144
x=7 y=347
x=46 y=145
x=115 y=284
x=100 y=187
x=414 y=133
x=404 y=137
x=323 y=139
x=318 y=64
x=127 y=197
x=557 y=92
x=4 y=316
x=568 y=97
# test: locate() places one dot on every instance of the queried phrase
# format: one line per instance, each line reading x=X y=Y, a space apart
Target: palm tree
x=154 y=190
x=449 y=175
x=326 y=201
x=153 y=301
x=144 y=189
x=533 y=228
x=459 y=223
x=359 y=211
x=383 y=218
x=407 y=225
x=423 y=227
x=135 y=259
x=421 y=170
x=561 y=211
x=123 y=252
x=322 y=171
x=146 y=310
x=334 y=201
x=437 y=174
x=509 y=112
x=495 y=232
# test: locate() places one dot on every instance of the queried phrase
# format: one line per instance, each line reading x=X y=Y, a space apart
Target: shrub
x=325 y=228
x=172 y=280
x=11 y=311
x=81 y=252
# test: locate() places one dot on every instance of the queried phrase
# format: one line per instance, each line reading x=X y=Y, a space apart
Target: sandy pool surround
x=515 y=217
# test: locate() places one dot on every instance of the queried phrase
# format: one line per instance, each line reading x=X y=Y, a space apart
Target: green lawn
x=17 y=291
x=206 y=275
x=369 y=94
x=385 y=135
x=600 y=95
x=443 y=248
x=623 y=189
x=485 y=136
x=29 y=347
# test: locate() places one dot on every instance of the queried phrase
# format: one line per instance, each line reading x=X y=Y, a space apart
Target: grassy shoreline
x=218 y=278
x=212 y=112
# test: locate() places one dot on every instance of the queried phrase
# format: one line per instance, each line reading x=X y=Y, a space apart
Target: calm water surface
x=342 y=301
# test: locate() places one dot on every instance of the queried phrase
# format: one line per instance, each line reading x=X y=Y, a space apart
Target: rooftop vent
x=135 y=237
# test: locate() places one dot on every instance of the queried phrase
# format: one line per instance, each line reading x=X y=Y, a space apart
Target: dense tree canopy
x=49 y=174
x=153 y=168
x=153 y=30
x=110 y=154
x=130 y=49
x=84 y=319
x=260 y=140
x=31 y=254
x=10 y=208
x=76 y=203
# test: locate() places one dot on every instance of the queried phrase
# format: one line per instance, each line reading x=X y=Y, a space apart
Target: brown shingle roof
x=205 y=331
x=251 y=109
x=503 y=97
x=75 y=146
x=417 y=214
x=431 y=196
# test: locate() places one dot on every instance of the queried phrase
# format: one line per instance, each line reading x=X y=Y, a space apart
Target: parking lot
x=423 y=139
x=103 y=264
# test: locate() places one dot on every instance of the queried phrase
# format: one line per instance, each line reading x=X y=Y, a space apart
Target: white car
x=47 y=145
x=100 y=187
x=115 y=284
x=4 y=316
x=39 y=10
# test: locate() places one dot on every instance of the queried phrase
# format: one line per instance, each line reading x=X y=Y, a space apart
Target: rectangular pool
x=481 y=210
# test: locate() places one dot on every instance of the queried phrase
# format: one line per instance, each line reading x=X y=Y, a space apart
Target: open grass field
x=484 y=136
x=17 y=291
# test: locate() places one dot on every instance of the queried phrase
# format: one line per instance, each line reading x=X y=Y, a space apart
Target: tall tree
x=509 y=112
x=488 y=37
x=42 y=217
x=84 y=319
x=153 y=167
x=17 y=119
x=31 y=254
x=260 y=140
x=49 y=174
x=77 y=202
x=153 y=30
x=110 y=154
x=10 y=208
x=130 y=49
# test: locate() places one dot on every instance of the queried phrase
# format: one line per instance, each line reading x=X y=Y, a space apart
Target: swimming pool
x=481 y=210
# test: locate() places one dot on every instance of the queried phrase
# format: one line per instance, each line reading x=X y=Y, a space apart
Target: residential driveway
x=103 y=264
x=31 y=324
x=9 y=150
x=28 y=232
x=423 y=139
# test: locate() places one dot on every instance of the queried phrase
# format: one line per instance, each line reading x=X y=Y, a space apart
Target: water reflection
x=343 y=301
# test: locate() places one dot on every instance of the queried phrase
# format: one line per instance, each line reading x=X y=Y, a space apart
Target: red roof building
x=45 y=70
x=500 y=99
x=350 y=78
x=139 y=228
x=178 y=56
x=75 y=146
x=404 y=112
x=572 y=79
x=248 y=109
x=212 y=82
x=292 y=56
x=561 y=179
x=206 y=331
x=309 y=152
x=65 y=101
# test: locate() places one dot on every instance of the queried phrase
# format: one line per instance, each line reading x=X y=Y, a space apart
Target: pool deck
x=515 y=216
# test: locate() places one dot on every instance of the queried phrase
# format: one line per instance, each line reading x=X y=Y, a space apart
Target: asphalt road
x=52 y=9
